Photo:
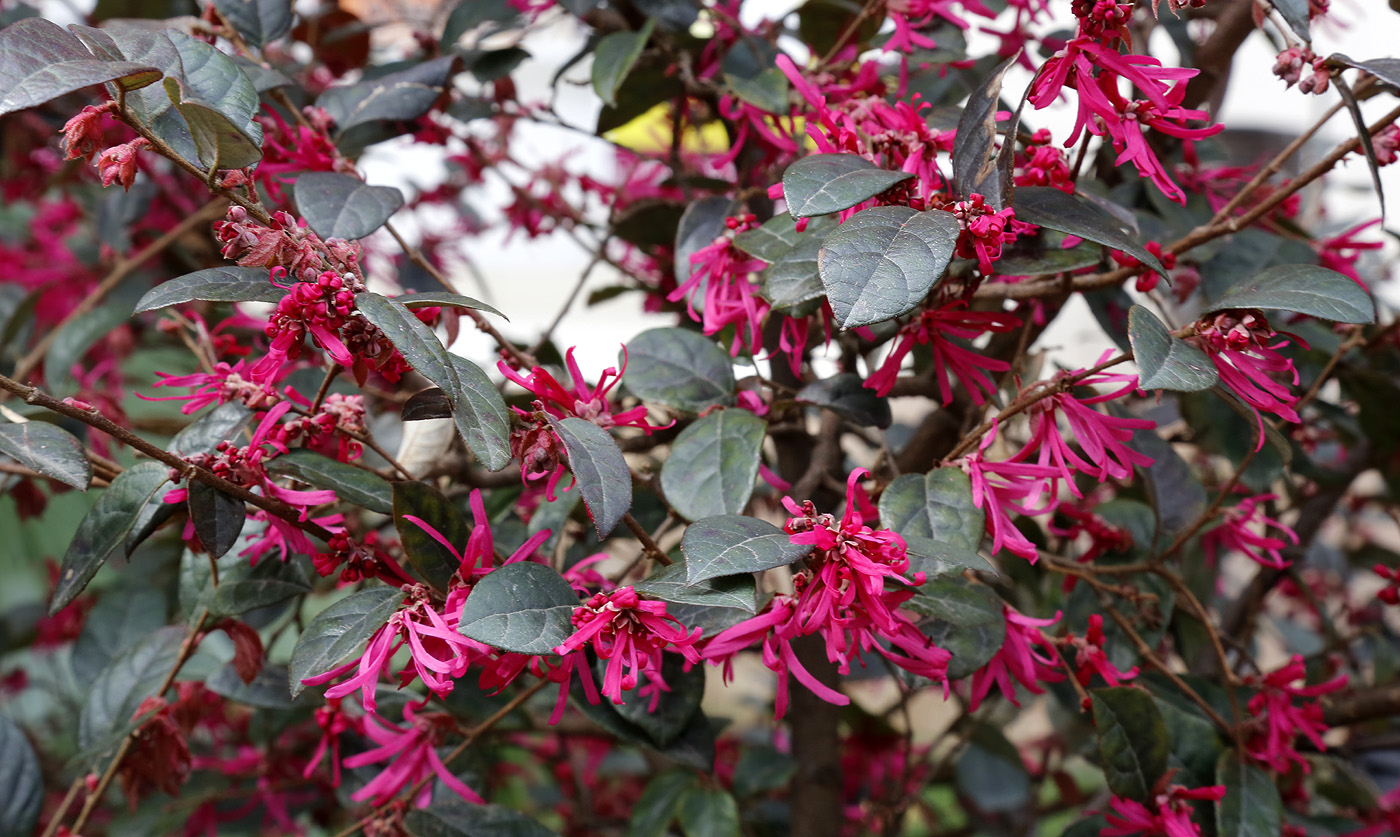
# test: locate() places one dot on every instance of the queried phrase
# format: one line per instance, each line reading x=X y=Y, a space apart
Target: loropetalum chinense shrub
x=844 y=549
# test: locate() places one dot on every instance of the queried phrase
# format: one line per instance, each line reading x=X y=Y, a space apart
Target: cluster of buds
x=539 y=451
x=1234 y=330
x=1390 y=594
x=1045 y=164
x=1147 y=278
x=82 y=135
x=283 y=243
x=358 y=560
x=983 y=231
x=1386 y=143
x=345 y=413
x=1103 y=19
x=319 y=307
x=118 y=163
x=1294 y=61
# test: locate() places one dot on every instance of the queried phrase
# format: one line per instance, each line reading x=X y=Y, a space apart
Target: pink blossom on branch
x=940 y=328
x=1277 y=718
x=1170 y=814
x=580 y=401
x=1244 y=529
x=411 y=755
x=630 y=633
x=1018 y=660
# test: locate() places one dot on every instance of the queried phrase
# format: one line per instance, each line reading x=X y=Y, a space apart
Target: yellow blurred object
x=650 y=133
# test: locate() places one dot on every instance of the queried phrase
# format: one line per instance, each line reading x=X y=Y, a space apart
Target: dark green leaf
x=821 y=184
x=1164 y=361
x=218 y=102
x=710 y=620
x=344 y=206
x=941 y=558
x=435 y=562
x=49 y=450
x=117 y=622
x=793 y=281
x=428 y=404
x=679 y=369
x=260 y=22
x=670 y=584
x=713 y=464
x=1303 y=289
x=450 y=816
x=482 y=417
x=469 y=14
x=767 y=91
x=966 y=621
x=1363 y=133
x=446 y=300
x=1252 y=806
x=1176 y=493
x=600 y=471
x=72 y=342
x=1046 y=206
x=268 y=690
x=21 y=783
x=708 y=812
x=762 y=769
x=1048 y=261
x=217 y=517
x=40 y=62
x=778 y=236
x=882 y=262
x=700 y=224
x=1132 y=740
x=1296 y=14
x=350 y=484
x=654 y=812
x=263 y=78
x=127 y=681
x=847 y=395
x=974 y=167
x=673 y=15
x=407 y=94
x=651 y=83
x=414 y=340
x=673 y=713
x=217 y=284
x=248 y=588
x=990 y=771
x=1385 y=69
x=339 y=632
x=521 y=607
x=614 y=58
x=731 y=544
x=937 y=505
x=104 y=528
x=215 y=426
x=149 y=105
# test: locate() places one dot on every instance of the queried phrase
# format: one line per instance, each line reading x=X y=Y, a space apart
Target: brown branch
x=648 y=544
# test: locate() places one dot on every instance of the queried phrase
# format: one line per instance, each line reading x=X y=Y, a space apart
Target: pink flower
x=724 y=274
x=1018 y=659
x=1342 y=251
x=1170 y=815
x=226 y=383
x=983 y=231
x=580 y=401
x=630 y=633
x=935 y=327
x=118 y=163
x=1090 y=659
x=82 y=135
x=411 y=753
x=1242 y=530
x=333 y=724
x=1000 y=488
x=540 y=452
x=1238 y=344
x=1277 y=720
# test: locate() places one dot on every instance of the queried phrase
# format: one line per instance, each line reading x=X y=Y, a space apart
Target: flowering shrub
x=847 y=548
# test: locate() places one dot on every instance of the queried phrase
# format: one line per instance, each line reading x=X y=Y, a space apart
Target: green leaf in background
x=400 y=96
x=990 y=771
x=680 y=369
x=713 y=464
x=450 y=816
x=260 y=22
x=1164 y=361
x=965 y=620
x=117 y=622
x=216 y=284
x=1302 y=289
x=708 y=812
x=104 y=528
x=40 y=62
x=974 y=165
x=128 y=680
x=206 y=432
x=1046 y=206
x=49 y=450
x=350 y=484
x=731 y=544
x=522 y=607
x=249 y=587
x=1252 y=806
x=820 y=184
x=937 y=505
x=762 y=769
x=847 y=395
x=344 y=206
x=435 y=562
x=267 y=690
x=217 y=517
x=599 y=469
x=446 y=300
x=767 y=91
x=778 y=236
x=340 y=632
x=670 y=584
x=72 y=342
x=481 y=415
x=656 y=810
x=1133 y=744
x=614 y=58
x=882 y=262
x=700 y=224
x=21 y=783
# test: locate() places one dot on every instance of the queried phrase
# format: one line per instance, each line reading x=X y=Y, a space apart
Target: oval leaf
x=821 y=184
x=40 y=62
x=260 y=22
x=1165 y=362
x=104 y=528
x=523 y=607
x=670 y=584
x=48 y=449
x=614 y=58
x=713 y=464
x=21 y=784
x=1133 y=743
x=708 y=812
x=481 y=415
x=1302 y=289
x=127 y=681
x=731 y=544
x=793 y=281
x=435 y=562
x=882 y=262
x=1046 y=206
x=452 y=817
x=414 y=340
x=446 y=300
x=339 y=632
x=679 y=368
x=1251 y=806
x=974 y=168
x=351 y=484
x=217 y=284
x=344 y=206
x=217 y=517
x=847 y=395
x=600 y=471
x=937 y=505
x=404 y=95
